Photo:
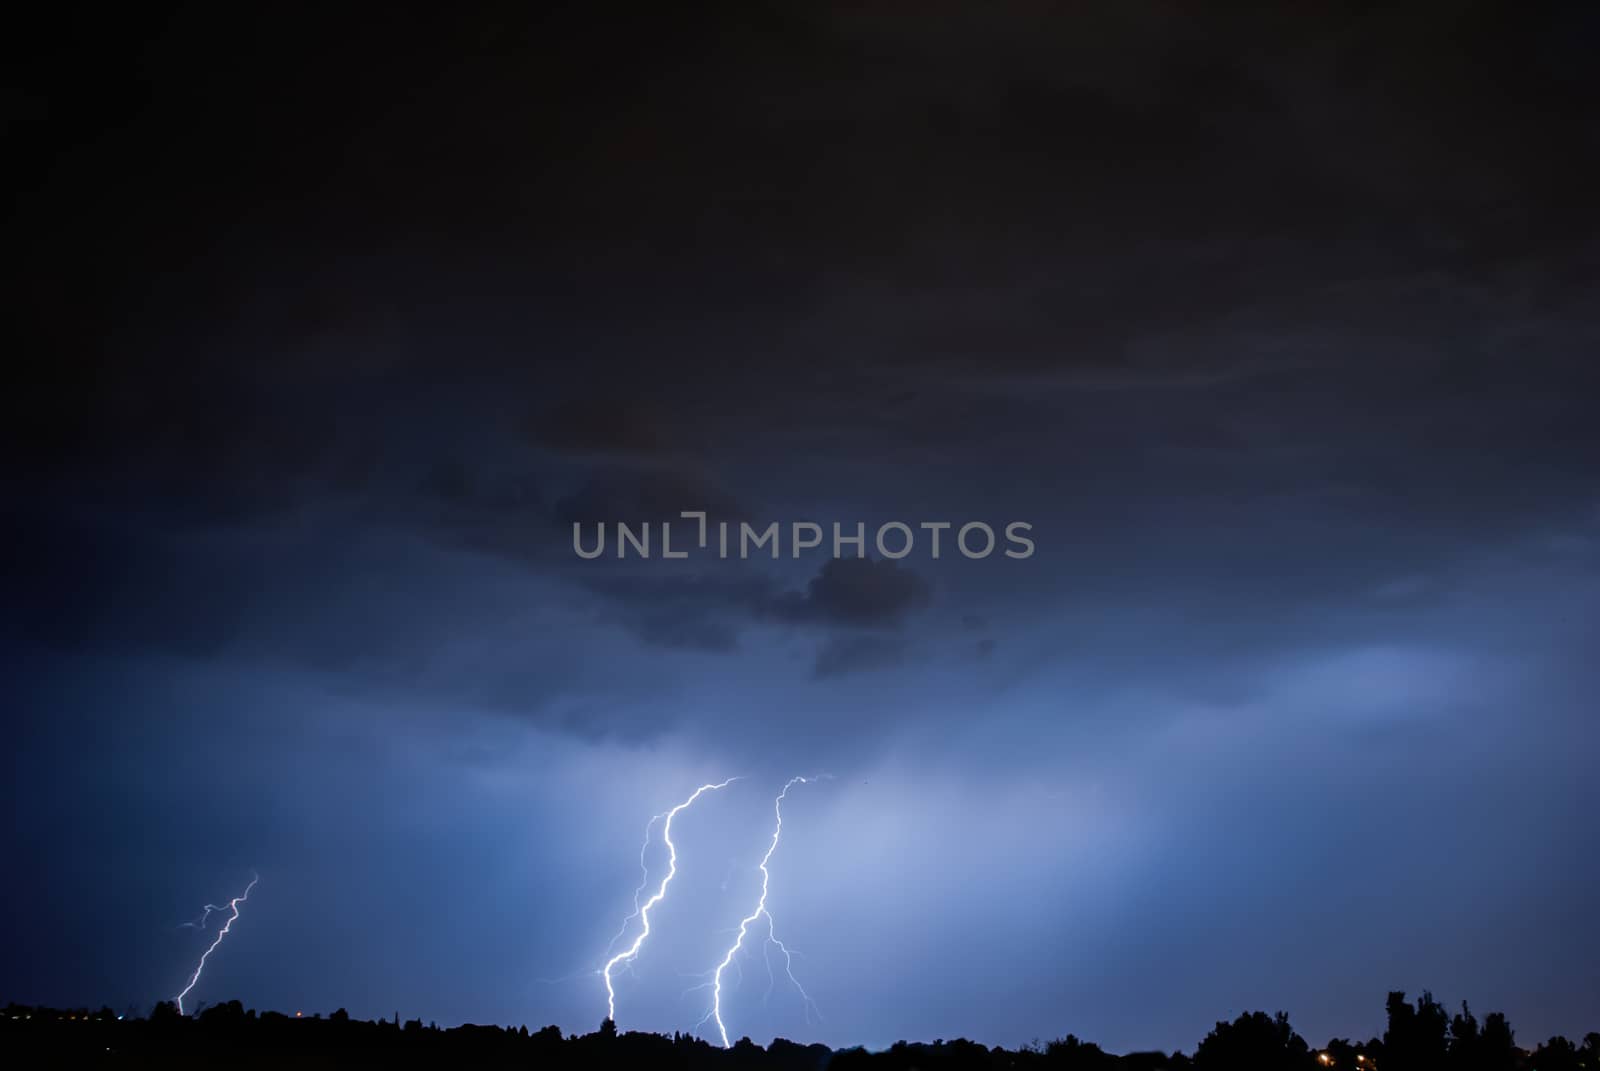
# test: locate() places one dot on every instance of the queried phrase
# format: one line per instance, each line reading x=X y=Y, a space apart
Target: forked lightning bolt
x=644 y=879
x=628 y=954
x=200 y=923
x=760 y=910
x=233 y=906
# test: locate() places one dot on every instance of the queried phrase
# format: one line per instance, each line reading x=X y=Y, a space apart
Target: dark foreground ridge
x=1420 y=1037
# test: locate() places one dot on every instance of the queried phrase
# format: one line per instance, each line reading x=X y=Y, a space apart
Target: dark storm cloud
x=705 y=610
x=463 y=493
x=649 y=494
x=90 y=588
x=859 y=592
x=856 y=654
x=501 y=512
x=73 y=587
x=1275 y=325
x=599 y=426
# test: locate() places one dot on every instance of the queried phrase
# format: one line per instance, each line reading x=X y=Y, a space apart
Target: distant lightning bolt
x=233 y=906
x=760 y=910
x=628 y=954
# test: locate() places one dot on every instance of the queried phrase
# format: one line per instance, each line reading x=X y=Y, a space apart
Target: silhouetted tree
x=1465 y=1041
x=1557 y=1054
x=226 y=1015
x=1417 y=1037
x=1254 y=1041
x=1498 y=1047
x=1488 y=1049
x=230 y=1035
x=1071 y=1053
x=1344 y=1053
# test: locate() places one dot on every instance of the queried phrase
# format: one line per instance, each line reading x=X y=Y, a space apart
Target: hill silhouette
x=1421 y=1036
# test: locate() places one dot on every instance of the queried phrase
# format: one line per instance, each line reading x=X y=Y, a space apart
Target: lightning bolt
x=644 y=879
x=759 y=912
x=200 y=923
x=628 y=954
x=233 y=906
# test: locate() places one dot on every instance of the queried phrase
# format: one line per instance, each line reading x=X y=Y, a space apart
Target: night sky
x=1277 y=327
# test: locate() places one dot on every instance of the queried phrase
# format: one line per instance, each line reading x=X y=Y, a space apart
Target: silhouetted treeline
x=1421 y=1036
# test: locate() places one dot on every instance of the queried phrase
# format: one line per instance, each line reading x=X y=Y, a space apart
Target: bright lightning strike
x=628 y=954
x=759 y=912
x=644 y=879
x=233 y=906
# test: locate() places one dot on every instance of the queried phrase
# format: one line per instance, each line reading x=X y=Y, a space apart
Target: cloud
x=857 y=592
x=701 y=612
x=502 y=512
x=647 y=494
x=705 y=611
x=601 y=426
x=844 y=655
